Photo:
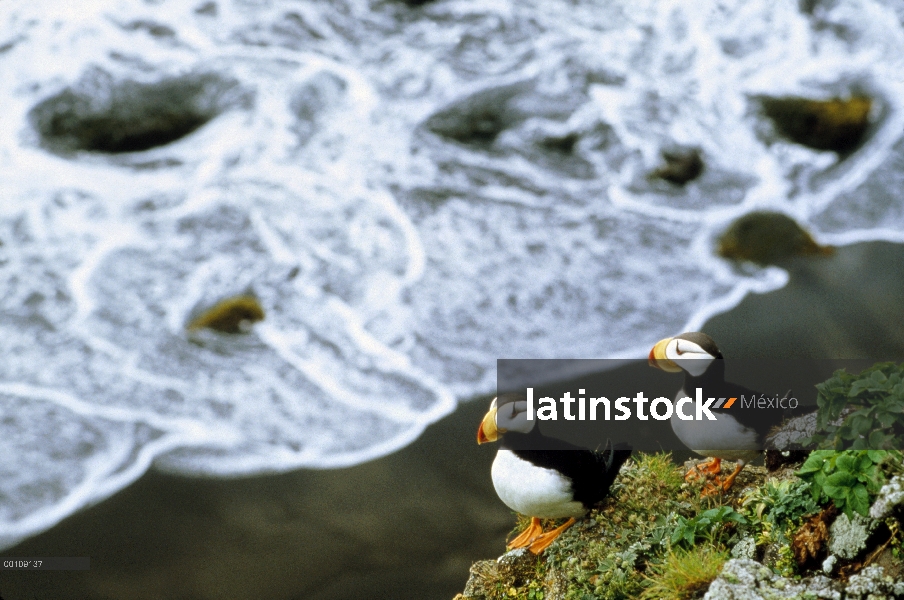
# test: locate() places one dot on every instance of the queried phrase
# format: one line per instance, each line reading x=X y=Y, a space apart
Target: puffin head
x=508 y=412
x=692 y=352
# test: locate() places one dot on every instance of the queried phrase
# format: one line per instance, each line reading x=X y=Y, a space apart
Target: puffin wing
x=760 y=420
x=591 y=473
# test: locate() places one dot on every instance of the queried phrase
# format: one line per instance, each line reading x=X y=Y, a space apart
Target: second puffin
x=543 y=477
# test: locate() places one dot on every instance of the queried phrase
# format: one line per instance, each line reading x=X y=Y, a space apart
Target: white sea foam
x=394 y=264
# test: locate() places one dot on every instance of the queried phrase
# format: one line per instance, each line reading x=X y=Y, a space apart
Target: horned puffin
x=544 y=477
x=737 y=434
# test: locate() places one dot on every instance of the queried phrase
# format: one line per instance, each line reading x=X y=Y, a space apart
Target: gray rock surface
x=847 y=537
x=743 y=579
x=890 y=496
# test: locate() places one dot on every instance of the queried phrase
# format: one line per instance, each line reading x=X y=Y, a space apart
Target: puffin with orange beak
x=738 y=433
x=543 y=477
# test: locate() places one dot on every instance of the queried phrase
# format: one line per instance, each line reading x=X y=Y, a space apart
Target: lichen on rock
x=873 y=584
x=890 y=497
x=847 y=537
x=746 y=548
x=745 y=579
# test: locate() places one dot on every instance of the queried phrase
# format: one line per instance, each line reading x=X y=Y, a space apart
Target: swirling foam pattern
x=410 y=192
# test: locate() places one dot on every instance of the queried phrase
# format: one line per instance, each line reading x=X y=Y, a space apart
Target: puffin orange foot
x=705 y=470
x=712 y=487
x=542 y=543
x=720 y=486
x=533 y=531
x=729 y=481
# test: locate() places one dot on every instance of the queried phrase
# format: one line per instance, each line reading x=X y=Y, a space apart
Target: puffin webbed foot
x=720 y=486
x=542 y=543
x=532 y=532
x=708 y=470
x=729 y=481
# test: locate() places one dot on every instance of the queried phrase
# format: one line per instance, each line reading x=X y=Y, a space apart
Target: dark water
x=408 y=526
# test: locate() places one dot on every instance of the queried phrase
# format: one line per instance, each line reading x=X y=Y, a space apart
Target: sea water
x=411 y=191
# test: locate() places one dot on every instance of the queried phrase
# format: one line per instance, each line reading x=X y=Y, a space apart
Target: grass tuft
x=684 y=574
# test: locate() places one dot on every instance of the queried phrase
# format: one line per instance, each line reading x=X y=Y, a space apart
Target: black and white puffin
x=737 y=433
x=544 y=477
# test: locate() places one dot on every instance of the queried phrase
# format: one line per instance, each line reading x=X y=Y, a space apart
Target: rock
x=517 y=565
x=787 y=437
x=783 y=445
x=890 y=497
x=893 y=565
x=477 y=120
x=556 y=585
x=847 y=537
x=481 y=583
x=776 y=459
x=873 y=584
x=99 y=114
x=560 y=143
x=232 y=315
x=681 y=166
x=746 y=548
x=767 y=238
x=837 y=124
x=745 y=579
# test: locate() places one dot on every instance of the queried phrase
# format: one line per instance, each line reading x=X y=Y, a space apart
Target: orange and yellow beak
x=487 y=432
x=658 y=359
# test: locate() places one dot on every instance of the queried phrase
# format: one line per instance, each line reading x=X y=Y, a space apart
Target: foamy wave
x=409 y=192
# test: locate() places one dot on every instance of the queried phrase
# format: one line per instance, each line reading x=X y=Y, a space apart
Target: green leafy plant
x=780 y=502
x=704 y=525
x=875 y=398
x=850 y=478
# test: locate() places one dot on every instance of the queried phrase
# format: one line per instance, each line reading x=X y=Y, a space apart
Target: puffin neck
x=515 y=440
x=714 y=373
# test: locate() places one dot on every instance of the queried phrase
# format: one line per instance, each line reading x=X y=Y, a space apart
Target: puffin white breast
x=725 y=437
x=532 y=490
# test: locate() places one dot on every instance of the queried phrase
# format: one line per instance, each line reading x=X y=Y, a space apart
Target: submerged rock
x=837 y=124
x=765 y=238
x=232 y=315
x=477 y=120
x=99 y=114
x=682 y=165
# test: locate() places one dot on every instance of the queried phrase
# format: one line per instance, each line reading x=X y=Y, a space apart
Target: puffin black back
x=591 y=472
